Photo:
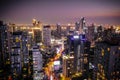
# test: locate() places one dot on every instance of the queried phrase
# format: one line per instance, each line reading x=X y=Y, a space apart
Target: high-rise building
x=77 y=26
x=58 y=30
x=68 y=67
x=16 y=54
x=46 y=35
x=37 y=36
x=82 y=23
x=83 y=28
x=107 y=61
x=37 y=62
x=4 y=50
x=19 y=53
x=91 y=33
x=99 y=33
x=78 y=46
x=114 y=70
x=83 y=62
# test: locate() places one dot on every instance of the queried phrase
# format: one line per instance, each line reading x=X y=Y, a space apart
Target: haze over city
x=59 y=40
x=64 y=12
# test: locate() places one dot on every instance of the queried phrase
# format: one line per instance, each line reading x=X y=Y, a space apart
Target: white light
x=76 y=37
x=69 y=24
x=56 y=62
x=51 y=77
x=58 y=50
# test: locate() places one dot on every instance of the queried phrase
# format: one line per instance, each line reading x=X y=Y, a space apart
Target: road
x=49 y=69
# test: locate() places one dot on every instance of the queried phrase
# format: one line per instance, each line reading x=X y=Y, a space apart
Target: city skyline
x=95 y=11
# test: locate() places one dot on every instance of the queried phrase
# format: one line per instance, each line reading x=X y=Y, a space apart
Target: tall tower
x=83 y=28
x=79 y=47
x=82 y=22
x=77 y=26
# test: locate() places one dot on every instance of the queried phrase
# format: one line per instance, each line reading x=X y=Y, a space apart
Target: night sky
x=62 y=11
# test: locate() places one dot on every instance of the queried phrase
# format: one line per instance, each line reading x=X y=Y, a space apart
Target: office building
x=58 y=31
x=106 y=61
x=4 y=50
x=37 y=36
x=90 y=35
x=19 y=54
x=83 y=28
x=68 y=67
x=77 y=26
x=78 y=46
x=37 y=62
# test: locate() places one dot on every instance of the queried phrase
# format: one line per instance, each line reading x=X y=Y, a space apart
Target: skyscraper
x=58 y=30
x=79 y=47
x=107 y=59
x=19 y=53
x=37 y=62
x=77 y=26
x=4 y=50
x=37 y=36
x=68 y=67
x=83 y=28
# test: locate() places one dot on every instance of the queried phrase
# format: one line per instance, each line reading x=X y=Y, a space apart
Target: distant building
x=46 y=35
x=90 y=35
x=77 y=26
x=58 y=31
x=83 y=28
x=37 y=36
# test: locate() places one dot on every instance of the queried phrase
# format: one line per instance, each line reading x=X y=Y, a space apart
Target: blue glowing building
x=78 y=46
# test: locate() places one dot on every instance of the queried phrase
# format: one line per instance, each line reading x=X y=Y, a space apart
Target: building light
x=76 y=37
x=118 y=48
x=102 y=53
x=68 y=68
x=108 y=49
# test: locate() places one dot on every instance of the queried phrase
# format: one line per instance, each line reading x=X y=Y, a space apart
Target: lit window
x=108 y=49
x=118 y=48
x=68 y=68
x=113 y=53
x=85 y=60
x=102 y=53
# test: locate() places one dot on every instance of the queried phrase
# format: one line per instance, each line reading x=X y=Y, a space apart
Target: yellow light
x=102 y=52
x=108 y=49
x=118 y=48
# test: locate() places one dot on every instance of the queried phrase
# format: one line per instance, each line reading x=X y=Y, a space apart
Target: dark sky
x=62 y=11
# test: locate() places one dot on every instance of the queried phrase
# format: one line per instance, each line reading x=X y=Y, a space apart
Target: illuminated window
x=81 y=60
x=108 y=49
x=102 y=53
x=17 y=39
x=68 y=68
x=118 y=48
x=113 y=53
x=85 y=60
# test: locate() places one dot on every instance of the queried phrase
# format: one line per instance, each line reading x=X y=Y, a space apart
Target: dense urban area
x=39 y=51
